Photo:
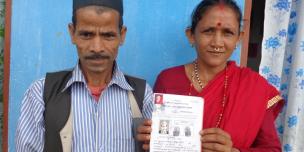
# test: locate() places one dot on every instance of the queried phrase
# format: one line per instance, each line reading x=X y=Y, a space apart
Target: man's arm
x=30 y=128
x=148 y=103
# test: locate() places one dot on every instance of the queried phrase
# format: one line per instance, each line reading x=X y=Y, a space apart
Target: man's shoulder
x=37 y=84
x=60 y=72
x=137 y=81
x=134 y=78
x=35 y=90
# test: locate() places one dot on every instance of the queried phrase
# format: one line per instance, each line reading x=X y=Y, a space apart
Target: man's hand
x=216 y=140
x=143 y=133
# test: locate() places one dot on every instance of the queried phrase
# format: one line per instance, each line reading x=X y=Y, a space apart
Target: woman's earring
x=192 y=45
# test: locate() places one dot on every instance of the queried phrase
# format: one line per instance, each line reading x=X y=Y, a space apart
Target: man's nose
x=97 y=45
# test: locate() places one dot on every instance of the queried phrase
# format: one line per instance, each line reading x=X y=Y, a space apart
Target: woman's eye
x=228 y=33
x=208 y=31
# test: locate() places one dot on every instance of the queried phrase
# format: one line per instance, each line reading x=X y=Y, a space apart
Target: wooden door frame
x=246 y=30
x=7 y=47
x=6 y=70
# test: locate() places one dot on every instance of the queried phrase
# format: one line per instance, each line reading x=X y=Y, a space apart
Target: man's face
x=97 y=37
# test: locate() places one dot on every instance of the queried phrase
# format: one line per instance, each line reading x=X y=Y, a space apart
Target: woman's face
x=215 y=36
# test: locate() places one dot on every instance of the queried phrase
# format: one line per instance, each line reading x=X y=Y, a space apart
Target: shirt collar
x=118 y=78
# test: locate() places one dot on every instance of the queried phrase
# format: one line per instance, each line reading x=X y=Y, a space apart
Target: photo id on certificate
x=176 y=123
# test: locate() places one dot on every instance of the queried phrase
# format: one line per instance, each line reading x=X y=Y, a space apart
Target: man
x=98 y=116
x=164 y=127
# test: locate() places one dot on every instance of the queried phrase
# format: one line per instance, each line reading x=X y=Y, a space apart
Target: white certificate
x=176 y=123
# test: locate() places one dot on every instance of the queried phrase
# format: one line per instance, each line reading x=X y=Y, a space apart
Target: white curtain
x=282 y=65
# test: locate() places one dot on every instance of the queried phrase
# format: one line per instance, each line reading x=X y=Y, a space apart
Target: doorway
x=256 y=34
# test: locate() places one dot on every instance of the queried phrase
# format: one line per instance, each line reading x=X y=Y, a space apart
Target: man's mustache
x=96 y=56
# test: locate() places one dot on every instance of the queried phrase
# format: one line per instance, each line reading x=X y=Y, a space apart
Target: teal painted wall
x=40 y=42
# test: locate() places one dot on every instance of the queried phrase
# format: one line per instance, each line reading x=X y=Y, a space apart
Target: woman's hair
x=204 y=5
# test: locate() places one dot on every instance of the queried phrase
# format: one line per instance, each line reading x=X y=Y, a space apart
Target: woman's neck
x=208 y=72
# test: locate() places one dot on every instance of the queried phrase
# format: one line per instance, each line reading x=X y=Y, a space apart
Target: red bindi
x=219 y=24
x=221 y=5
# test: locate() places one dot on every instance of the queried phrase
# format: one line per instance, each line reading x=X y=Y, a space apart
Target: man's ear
x=72 y=32
x=190 y=36
x=123 y=33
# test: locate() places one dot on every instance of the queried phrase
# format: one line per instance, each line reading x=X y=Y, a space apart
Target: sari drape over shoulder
x=249 y=97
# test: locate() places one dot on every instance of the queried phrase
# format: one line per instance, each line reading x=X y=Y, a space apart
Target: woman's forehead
x=219 y=16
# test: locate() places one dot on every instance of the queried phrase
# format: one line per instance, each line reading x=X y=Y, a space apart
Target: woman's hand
x=143 y=133
x=216 y=139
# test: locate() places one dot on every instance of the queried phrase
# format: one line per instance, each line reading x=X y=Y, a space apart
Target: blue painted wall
x=40 y=42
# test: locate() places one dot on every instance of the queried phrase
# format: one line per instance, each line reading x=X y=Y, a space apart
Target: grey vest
x=58 y=107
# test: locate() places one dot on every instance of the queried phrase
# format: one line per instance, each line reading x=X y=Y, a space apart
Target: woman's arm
x=267 y=139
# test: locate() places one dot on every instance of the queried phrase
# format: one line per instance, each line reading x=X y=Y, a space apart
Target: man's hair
x=99 y=10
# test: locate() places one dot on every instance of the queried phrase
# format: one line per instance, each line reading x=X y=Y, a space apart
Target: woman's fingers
x=215 y=147
x=215 y=131
x=216 y=138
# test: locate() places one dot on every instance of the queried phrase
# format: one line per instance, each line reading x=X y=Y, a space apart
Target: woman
x=240 y=106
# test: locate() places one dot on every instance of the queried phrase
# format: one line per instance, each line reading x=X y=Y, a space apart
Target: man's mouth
x=97 y=57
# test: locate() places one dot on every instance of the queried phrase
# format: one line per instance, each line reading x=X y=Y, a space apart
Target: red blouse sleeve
x=267 y=139
x=159 y=86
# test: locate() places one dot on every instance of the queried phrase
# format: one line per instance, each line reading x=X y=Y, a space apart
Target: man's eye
x=109 y=36
x=86 y=35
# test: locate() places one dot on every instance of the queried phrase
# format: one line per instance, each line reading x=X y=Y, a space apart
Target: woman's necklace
x=200 y=83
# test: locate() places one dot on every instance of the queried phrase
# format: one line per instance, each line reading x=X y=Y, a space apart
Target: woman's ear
x=241 y=36
x=190 y=36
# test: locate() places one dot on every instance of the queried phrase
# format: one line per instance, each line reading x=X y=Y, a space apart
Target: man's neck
x=98 y=79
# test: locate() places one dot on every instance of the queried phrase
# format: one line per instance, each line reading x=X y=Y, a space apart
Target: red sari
x=250 y=106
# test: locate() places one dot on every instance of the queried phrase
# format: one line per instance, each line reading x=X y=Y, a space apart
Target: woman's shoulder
x=247 y=73
x=173 y=71
x=172 y=80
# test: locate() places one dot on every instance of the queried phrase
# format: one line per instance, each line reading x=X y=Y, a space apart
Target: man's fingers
x=146 y=146
x=143 y=137
x=147 y=122
x=144 y=129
